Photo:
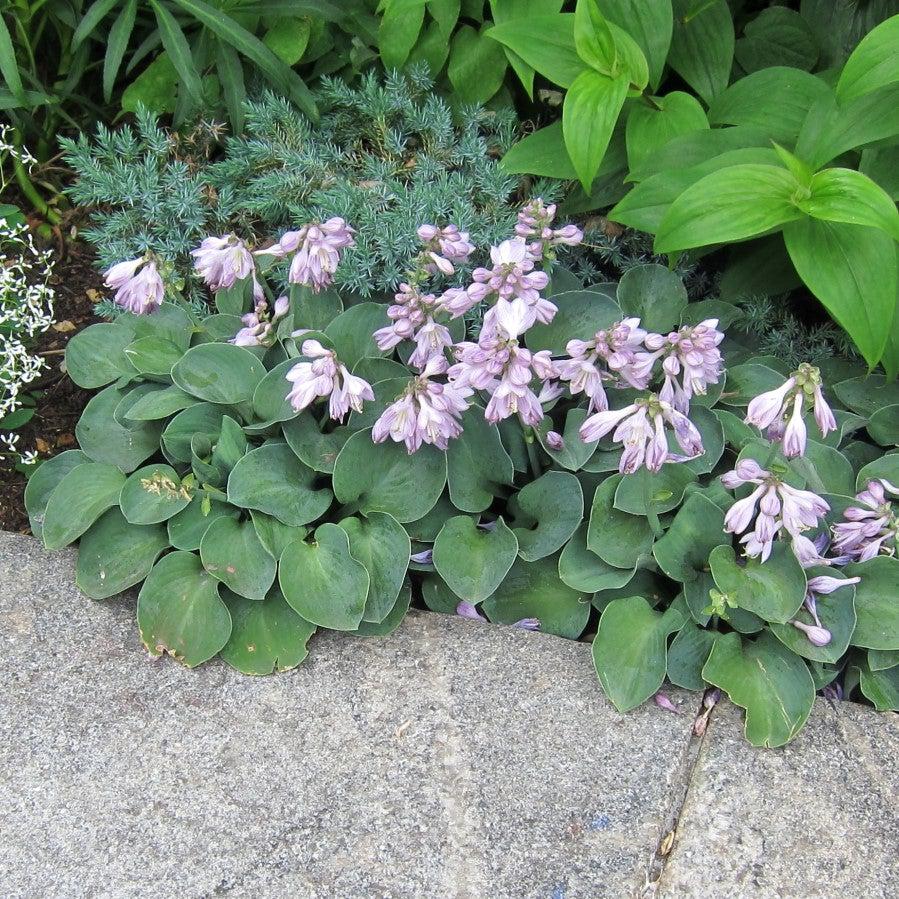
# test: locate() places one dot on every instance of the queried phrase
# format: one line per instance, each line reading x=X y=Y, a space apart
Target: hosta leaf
x=271 y=479
x=385 y=478
x=351 y=332
x=473 y=561
x=616 y=537
x=186 y=529
x=697 y=528
x=884 y=426
x=688 y=652
x=153 y=355
x=880 y=687
x=546 y=513
x=266 y=636
x=581 y=314
x=78 y=500
x=876 y=607
x=43 y=482
x=765 y=678
x=630 y=649
x=270 y=403
x=160 y=404
x=179 y=611
x=114 y=555
x=317 y=450
x=583 y=570
x=665 y=489
x=232 y=553
x=653 y=294
x=322 y=582
x=218 y=373
x=575 y=453
x=381 y=544
x=533 y=590
x=95 y=356
x=274 y=535
x=478 y=467
x=773 y=590
x=153 y=494
x=392 y=620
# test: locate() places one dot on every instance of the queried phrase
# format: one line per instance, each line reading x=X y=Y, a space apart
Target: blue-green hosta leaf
x=581 y=314
x=153 y=494
x=473 y=561
x=265 y=636
x=219 y=373
x=884 y=425
x=688 y=652
x=179 y=611
x=697 y=528
x=546 y=513
x=630 y=649
x=478 y=467
x=186 y=529
x=876 y=608
x=392 y=620
x=616 y=537
x=43 y=482
x=575 y=453
x=583 y=570
x=765 y=678
x=351 y=332
x=317 y=450
x=95 y=356
x=880 y=687
x=322 y=582
x=232 y=553
x=654 y=294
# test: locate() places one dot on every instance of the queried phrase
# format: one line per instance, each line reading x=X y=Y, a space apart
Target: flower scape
x=515 y=446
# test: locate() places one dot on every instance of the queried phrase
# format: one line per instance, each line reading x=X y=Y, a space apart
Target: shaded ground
x=59 y=401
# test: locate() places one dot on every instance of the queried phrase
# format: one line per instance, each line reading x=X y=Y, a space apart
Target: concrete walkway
x=452 y=759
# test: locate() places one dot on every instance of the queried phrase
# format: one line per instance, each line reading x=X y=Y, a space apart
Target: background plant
x=198 y=475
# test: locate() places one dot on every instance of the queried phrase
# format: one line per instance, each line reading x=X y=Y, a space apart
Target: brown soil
x=59 y=401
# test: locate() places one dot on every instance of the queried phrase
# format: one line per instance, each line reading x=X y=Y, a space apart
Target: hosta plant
x=511 y=445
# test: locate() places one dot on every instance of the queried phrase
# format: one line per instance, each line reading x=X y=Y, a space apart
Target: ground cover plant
x=507 y=443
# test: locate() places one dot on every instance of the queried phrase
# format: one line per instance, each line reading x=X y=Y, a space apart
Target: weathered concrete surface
x=818 y=818
x=451 y=759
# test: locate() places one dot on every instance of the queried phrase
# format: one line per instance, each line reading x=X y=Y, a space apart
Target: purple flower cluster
x=258 y=325
x=444 y=246
x=692 y=355
x=138 y=285
x=326 y=376
x=534 y=221
x=223 y=261
x=817 y=634
x=872 y=527
x=316 y=250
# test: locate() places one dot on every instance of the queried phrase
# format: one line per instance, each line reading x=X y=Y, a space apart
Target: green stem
x=651 y=514
x=529 y=441
x=30 y=191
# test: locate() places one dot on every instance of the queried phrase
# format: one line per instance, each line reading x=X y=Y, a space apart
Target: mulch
x=59 y=402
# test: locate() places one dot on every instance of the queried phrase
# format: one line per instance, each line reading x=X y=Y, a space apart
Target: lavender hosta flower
x=822 y=585
x=555 y=441
x=616 y=350
x=432 y=339
x=468 y=610
x=445 y=246
x=817 y=636
x=258 y=326
x=534 y=220
x=425 y=557
x=692 y=355
x=222 y=261
x=426 y=412
x=512 y=274
x=326 y=376
x=773 y=505
x=663 y=702
x=780 y=411
x=709 y=701
x=138 y=285
x=641 y=428
x=316 y=250
x=872 y=527
x=457 y=300
x=410 y=311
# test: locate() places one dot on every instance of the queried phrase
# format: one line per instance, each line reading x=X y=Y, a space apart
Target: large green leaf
x=851 y=269
x=777 y=36
x=153 y=494
x=179 y=611
x=186 y=529
x=589 y=114
x=266 y=636
x=477 y=65
x=773 y=589
x=765 y=678
x=650 y=127
x=546 y=512
x=232 y=553
x=702 y=45
x=650 y=25
x=160 y=404
x=400 y=25
x=95 y=356
x=114 y=555
x=533 y=590
x=472 y=560
x=630 y=649
x=876 y=607
x=44 y=480
x=219 y=373
x=583 y=570
x=697 y=528
x=581 y=314
x=880 y=687
x=478 y=467
x=382 y=545
x=541 y=153
x=316 y=449
x=271 y=479
x=351 y=332
x=322 y=582
x=732 y=204
x=844 y=195
x=688 y=653
x=616 y=537
x=873 y=64
x=575 y=453
x=385 y=478
x=78 y=500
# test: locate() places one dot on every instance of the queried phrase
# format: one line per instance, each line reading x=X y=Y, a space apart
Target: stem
x=651 y=514
x=650 y=102
x=529 y=441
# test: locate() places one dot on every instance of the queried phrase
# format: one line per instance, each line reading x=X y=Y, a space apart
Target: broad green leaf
x=533 y=590
x=314 y=310
x=881 y=164
x=732 y=204
x=503 y=11
x=876 y=608
x=179 y=611
x=773 y=590
x=880 y=687
x=186 y=529
x=392 y=620
x=322 y=582
x=400 y=25
x=153 y=355
x=288 y=38
x=234 y=90
x=616 y=537
x=884 y=426
x=697 y=528
x=478 y=467
x=665 y=488
x=844 y=195
x=44 y=480
x=702 y=45
x=544 y=42
x=274 y=535
x=381 y=544
x=583 y=570
x=873 y=64
x=178 y=49
x=879 y=659
x=765 y=678
x=546 y=512
x=232 y=553
x=271 y=479
x=652 y=126
x=317 y=450
x=265 y=636
x=775 y=99
x=473 y=561
x=630 y=650
x=575 y=453
x=477 y=65
x=851 y=269
x=83 y=494
x=589 y=114
x=593 y=38
x=270 y=403
x=114 y=555
x=219 y=373
x=749 y=380
x=649 y=24
x=153 y=494
x=437 y=596
x=759 y=267
x=95 y=356
x=203 y=419
x=654 y=294
x=541 y=153
x=581 y=314
x=825 y=469
x=351 y=332
x=156 y=88
x=688 y=653
x=866 y=395
x=777 y=36
x=385 y=478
